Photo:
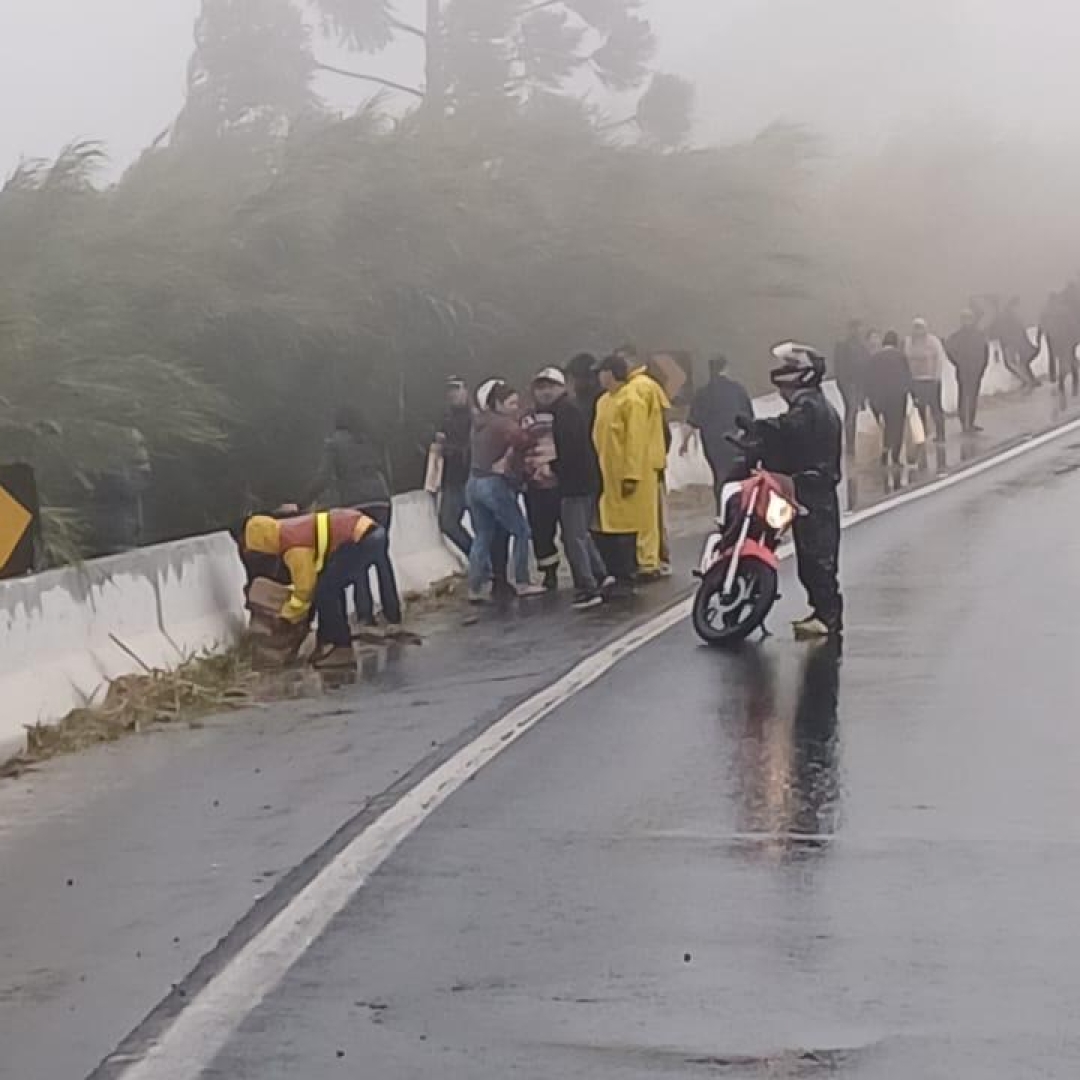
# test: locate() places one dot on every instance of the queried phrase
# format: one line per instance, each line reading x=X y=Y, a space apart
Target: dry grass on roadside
x=202 y=686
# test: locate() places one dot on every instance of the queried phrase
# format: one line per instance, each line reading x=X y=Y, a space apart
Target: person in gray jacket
x=352 y=468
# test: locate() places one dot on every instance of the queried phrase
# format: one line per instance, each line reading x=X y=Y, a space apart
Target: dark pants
x=452 y=507
x=542 y=506
x=500 y=558
x=926 y=393
x=721 y=465
x=854 y=397
x=1063 y=358
x=619 y=553
x=969 y=381
x=384 y=572
x=817 y=547
x=347 y=566
x=892 y=415
x=1018 y=360
x=576 y=516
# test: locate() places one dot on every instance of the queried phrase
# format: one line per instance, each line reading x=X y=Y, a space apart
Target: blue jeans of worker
x=493 y=504
x=346 y=566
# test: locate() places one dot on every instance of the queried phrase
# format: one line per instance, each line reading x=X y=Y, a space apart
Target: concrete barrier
x=64 y=634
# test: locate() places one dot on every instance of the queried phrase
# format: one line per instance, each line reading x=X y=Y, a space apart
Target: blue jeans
x=493 y=504
x=344 y=568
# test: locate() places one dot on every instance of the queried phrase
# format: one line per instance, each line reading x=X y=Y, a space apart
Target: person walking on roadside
x=888 y=386
x=578 y=473
x=1060 y=328
x=630 y=497
x=926 y=358
x=352 y=467
x=494 y=484
x=453 y=438
x=542 y=497
x=1009 y=330
x=653 y=546
x=850 y=361
x=713 y=412
x=969 y=351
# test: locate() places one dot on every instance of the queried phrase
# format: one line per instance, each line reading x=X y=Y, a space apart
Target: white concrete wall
x=165 y=603
x=57 y=647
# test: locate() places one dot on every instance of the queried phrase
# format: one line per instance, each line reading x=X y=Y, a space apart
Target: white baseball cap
x=551 y=375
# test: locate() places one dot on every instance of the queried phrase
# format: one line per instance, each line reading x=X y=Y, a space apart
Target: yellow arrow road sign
x=15 y=519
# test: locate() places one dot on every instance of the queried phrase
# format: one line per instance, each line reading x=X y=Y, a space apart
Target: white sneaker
x=526 y=591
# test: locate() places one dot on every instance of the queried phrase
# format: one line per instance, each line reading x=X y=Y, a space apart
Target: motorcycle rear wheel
x=721 y=621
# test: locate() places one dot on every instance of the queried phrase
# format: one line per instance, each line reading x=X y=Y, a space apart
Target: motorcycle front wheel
x=728 y=620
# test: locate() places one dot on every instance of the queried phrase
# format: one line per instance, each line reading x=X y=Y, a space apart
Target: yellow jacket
x=304 y=543
x=657 y=404
x=621 y=435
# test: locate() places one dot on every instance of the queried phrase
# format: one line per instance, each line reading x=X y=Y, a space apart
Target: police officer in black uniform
x=806 y=442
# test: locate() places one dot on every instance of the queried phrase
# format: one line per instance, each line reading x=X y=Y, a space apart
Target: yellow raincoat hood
x=262 y=535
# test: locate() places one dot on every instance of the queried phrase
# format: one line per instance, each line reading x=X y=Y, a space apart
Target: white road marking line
x=202 y=1030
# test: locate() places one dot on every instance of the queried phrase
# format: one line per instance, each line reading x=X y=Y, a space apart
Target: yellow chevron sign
x=15 y=519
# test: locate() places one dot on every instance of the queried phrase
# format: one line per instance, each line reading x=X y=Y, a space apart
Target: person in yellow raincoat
x=623 y=437
x=652 y=545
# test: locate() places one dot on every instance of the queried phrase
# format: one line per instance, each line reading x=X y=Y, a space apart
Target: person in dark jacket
x=888 y=386
x=713 y=413
x=851 y=359
x=585 y=385
x=453 y=437
x=1009 y=330
x=1060 y=327
x=578 y=474
x=352 y=467
x=969 y=353
x=806 y=443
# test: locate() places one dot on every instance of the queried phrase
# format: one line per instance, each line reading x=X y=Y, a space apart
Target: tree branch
x=408 y=28
x=388 y=83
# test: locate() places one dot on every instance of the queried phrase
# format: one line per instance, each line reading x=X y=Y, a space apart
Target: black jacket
x=968 y=349
x=457 y=430
x=576 y=464
x=888 y=378
x=805 y=442
x=353 y=468
x=850 y=362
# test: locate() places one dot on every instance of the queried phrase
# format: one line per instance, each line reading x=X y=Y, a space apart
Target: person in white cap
x=577 y=472
x=926 y=357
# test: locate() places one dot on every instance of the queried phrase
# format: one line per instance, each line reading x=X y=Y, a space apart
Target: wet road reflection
x=786 y=770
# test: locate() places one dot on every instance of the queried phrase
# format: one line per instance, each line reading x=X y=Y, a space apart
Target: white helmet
x=801 y=367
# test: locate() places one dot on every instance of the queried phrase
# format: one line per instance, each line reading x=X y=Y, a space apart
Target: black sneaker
x=585 y=601
x=551 y=578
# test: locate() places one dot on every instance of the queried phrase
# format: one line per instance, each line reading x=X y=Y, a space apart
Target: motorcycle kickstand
x=766 y=633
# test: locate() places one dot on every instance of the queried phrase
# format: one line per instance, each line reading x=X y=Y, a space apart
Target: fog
x=855 y=70
x=271 y=257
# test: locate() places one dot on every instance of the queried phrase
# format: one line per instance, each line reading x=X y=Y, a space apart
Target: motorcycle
x=739 y=569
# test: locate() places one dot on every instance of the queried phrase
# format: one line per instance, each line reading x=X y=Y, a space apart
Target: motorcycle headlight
x=779 y=514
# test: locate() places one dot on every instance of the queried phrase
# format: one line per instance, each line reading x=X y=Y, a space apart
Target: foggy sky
x=856 y=69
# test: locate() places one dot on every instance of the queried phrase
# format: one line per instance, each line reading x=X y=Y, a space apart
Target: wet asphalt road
x=767 y=864
x=775 y=863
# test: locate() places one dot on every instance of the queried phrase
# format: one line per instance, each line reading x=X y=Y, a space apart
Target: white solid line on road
x=201 y=1031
